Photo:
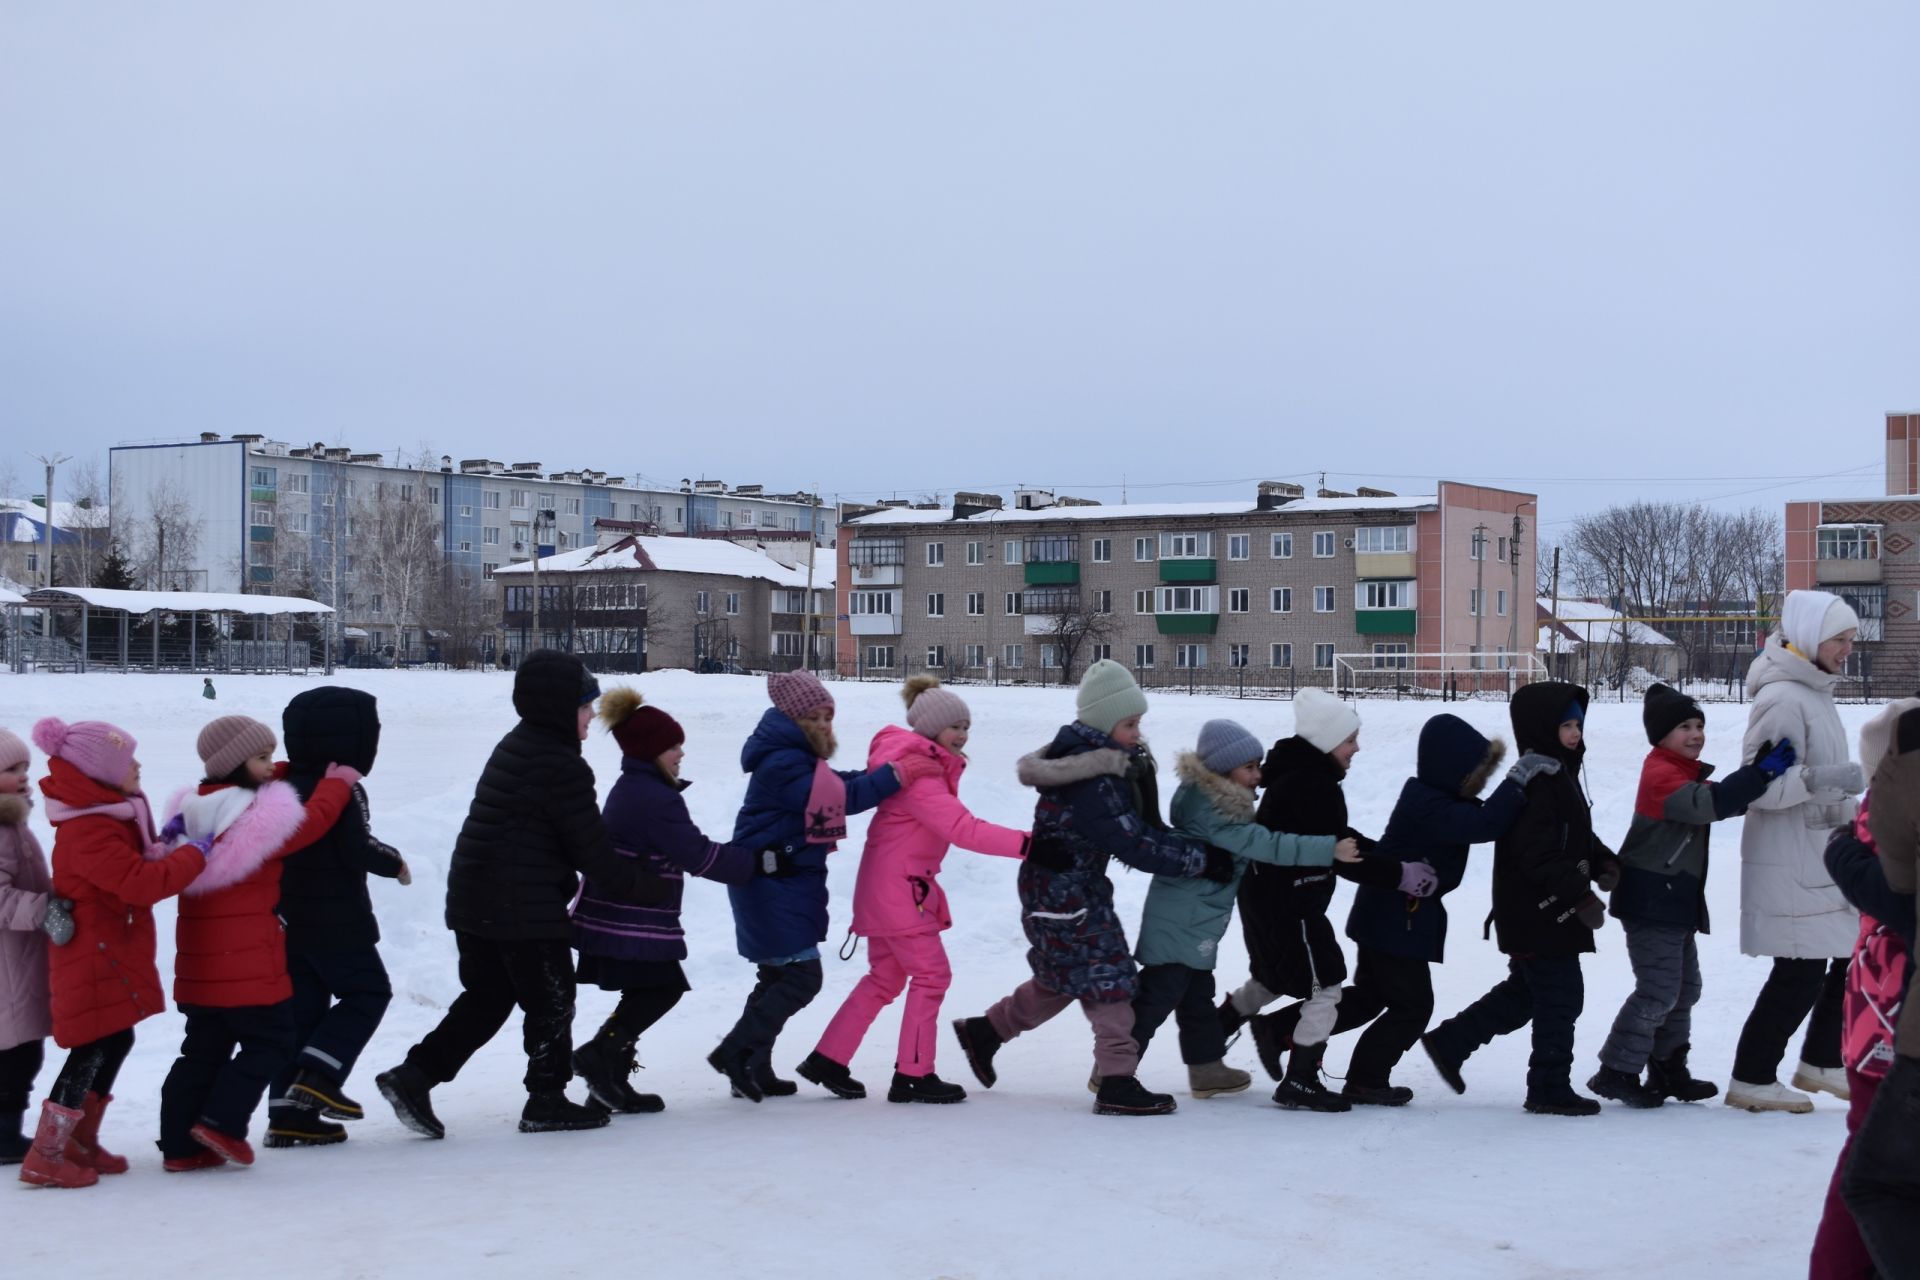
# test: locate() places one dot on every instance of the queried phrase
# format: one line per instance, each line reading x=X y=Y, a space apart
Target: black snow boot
x=771 y=1085
x=1670 y=1077
x=1272 y=1037
x=926 y=1088
x=311 y=1089
x=1302 y=1090
x=1231 y=1019
x=1625 y=1088
x=1126 y=1096
x=732 y=1063
x=1444 y=1062
x=979 y=1041
x=289 y=1125
x=14 y=1144
x=605 y=1062
x=1370 y=1095
x=406 y=1089
x=1561 y=1100
x=831 y=1076
x=551 y=1111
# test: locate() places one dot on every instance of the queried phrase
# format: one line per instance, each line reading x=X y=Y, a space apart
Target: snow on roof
x=1147 y=511
x=712 y=556
x=144 y=602
x=19 y=526
x=1574 y=615
x=66 y=515
x=8 y=596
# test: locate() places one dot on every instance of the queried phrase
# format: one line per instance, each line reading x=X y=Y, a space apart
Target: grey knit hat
x=1224 y=746
x=229 y=742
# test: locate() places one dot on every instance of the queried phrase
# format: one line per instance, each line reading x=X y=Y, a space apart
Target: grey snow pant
x=1657 y=1018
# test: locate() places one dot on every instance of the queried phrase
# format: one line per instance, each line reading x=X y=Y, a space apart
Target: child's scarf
x=826 y=817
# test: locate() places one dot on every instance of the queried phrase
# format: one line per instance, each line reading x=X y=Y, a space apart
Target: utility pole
x=1554 y=651
x=46 y=526
x=813 y=548
x=1479 y=591
x=540 y=515
x=1513 y=600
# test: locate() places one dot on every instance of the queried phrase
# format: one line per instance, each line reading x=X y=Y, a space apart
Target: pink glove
x=343 y=772
x=1417 y=879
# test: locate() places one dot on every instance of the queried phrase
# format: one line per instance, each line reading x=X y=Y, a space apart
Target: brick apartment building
x=1277 y=590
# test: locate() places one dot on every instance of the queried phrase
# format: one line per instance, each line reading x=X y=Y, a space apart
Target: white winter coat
x=1789 y=905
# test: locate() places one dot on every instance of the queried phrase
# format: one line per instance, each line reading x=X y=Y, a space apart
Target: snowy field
x=1019 y=1181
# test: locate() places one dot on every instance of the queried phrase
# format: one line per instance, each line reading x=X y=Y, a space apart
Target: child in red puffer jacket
x=230 y=966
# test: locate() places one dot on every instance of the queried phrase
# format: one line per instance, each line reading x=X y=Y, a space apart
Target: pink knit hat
x=12 y=750
x=230 y=741
x=102 y=751
x=932 y=708
x=795 y=693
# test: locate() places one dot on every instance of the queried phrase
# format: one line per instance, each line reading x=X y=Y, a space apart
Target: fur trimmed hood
x=1228 y=798
x=14 y=809
x=247 y=834
x=1876 y=735
x=1043 y=771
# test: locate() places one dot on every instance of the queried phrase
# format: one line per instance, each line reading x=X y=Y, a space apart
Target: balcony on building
x=1384 y=607
x=1042 y=607
x=1187 y=610
x=1383 y=551
x=1187 y=557
x=1846 y=554
x=877 y=562
x=1053 y=559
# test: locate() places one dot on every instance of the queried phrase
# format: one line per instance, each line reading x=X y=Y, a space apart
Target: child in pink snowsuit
x=898 y=905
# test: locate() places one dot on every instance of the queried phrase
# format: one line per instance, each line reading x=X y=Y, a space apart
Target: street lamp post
x=1513 y=557
x=543 y=515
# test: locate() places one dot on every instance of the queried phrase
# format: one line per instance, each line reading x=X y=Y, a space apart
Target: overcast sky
x=887 y=247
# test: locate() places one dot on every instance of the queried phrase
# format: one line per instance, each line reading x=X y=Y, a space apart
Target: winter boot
x=552 y=1111
x=926 y=1088
x=605 y=1063
x=770 y=1085
x=202 y=1160
x=1209 y=1079
x=229 y=1148
x=1771 y=1096
x=831 y=1076
x=47 y=1164
x=1126 y=1096
x=1560 y=1100
x=1625 y=1088
x=14 y=1143
x=1231 y=1019
x=407 y=1091
x=1813 y=1079
x=1670 y=1076
x=1302 y=1090
x=979 y=1041
x=1444 y=1062
x=732 y=1063
x=85 y=1147
x=292 y=1126
x=1376 y=1095
x=312 y=1089
x=1272 y=1037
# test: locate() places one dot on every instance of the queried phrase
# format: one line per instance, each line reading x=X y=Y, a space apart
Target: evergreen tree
x=114 y=571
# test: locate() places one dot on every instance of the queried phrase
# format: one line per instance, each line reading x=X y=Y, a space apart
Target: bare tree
x=1069 y=627
x=396 y=552
x=461 y=609
x=87 y=519
x=165 y=540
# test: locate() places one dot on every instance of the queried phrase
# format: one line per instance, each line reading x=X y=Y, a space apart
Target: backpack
x=1876 y=984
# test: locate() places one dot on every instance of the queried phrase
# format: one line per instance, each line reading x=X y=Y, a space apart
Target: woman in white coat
x=1790 y=908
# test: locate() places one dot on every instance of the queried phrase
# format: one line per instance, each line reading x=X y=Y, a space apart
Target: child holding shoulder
x=230 y=960
x=898 y=904
x=29 y=915
x=1099 y=800
x=108 y=861
x=1185 y=918
x=1662 y=899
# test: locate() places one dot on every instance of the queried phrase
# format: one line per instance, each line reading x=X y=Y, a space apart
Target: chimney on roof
x=1366 y=492
x=1066 y=501
x=854 y=510
x=967 y=504
x=248 y=438
x=209 y=437
x=1333 y=493
x=895 y=502
x=748 y=490
x=1032 y=499
x=1273 y=494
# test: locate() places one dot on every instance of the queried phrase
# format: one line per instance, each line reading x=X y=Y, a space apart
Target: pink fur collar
x=251 y=840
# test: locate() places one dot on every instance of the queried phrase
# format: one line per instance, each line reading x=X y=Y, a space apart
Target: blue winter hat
x=1224 y=746
x=1574 y=712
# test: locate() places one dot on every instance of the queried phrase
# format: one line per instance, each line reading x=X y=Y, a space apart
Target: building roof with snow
x=1584 y=621
x=1143 y=511
x=145 y=602
x=712 y=557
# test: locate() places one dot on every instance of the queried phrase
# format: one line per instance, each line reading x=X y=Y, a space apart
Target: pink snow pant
x=1838 y=1251
x=893 y=963
x=1115 y=1052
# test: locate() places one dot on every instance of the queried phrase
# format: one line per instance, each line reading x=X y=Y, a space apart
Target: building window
x=976 y=553
x=1049 y=656
x=466 y=513
x=1013 y=603
x=263 y=477
x=1188 y=656
x=1143 y=656
x=295 y=521
x=1500 y=602
x=1189 y=600
x=1186 y=546
x=1012 y=551
x=976 y=603
x=1143 y=549
x=1500 y=549
x=573 y=506
x=1473 y=602
x=864 y=552
x=433 y=495
x=1102 y=601
x=1282 y=547
x=1323 y=599
x=936 y=604
x=490 y=536
x=1477 y=546
x=1102 y=550
x=486 y=571
x=1102 y=653
x=1013 y=655
x=1323 y=657
x=1057 y=548
x=936 y=656
x=936 y=554
x=1239 y=546
x=1280 y=600
x=1237 y=600
x=733 y=603
x=466 y=545
x=490 y=500
x=703 y=602
x=1389 y=657
x=1280 y=656
x=295 y=484
x=1848 y=542
x=517 y=498
x=858 y=602
x=33 y=562
x=976 y=655
x=1238 y=655
x=1380 y=539
x=787 y=644
x=879 y=655
x=262 y=517
x=1323 y=545
x=1383 y=595
x=1143 y=601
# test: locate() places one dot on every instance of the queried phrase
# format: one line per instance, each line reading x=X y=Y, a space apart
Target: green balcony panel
x=262 y=533
x=264 y=495
x=1188 y=624
x=1051 y=573
x=1187 y=570
x=1384 y=622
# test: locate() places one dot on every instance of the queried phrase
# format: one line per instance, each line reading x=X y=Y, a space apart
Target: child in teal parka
x=1185 y=919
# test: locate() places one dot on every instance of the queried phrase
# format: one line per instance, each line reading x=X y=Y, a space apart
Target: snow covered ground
x=1019 y=1181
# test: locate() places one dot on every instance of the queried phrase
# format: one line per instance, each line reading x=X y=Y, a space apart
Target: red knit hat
x=643 y=732
x=798 y=692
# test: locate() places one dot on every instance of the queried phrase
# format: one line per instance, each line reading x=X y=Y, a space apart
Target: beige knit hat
x=229 y=742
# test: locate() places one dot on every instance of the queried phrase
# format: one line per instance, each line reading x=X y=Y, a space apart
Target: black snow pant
x=91 y=1068
x=1547 y=991
x=1881 y=1184
x=1187 y=995
x=339 y=998
x=1657 y=1019
x=1396 y=993
x=18 y=1066
x=496 y=976
x=782 y=991
x=1794 y=989
x=210 y=1082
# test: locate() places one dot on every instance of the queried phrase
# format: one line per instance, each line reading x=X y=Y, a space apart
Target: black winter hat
x=550 y=687
x=331 y=725
x=1667 y=709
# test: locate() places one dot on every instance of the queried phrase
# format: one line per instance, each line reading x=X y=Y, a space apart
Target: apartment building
x=350 y=529
x=1280 y=588
x=635 y=603
x=1868 y=552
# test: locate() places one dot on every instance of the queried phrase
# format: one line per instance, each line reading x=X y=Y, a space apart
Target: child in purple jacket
x=634 y=949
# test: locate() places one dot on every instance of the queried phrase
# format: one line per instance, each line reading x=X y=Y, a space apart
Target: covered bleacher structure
x=102 y=629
